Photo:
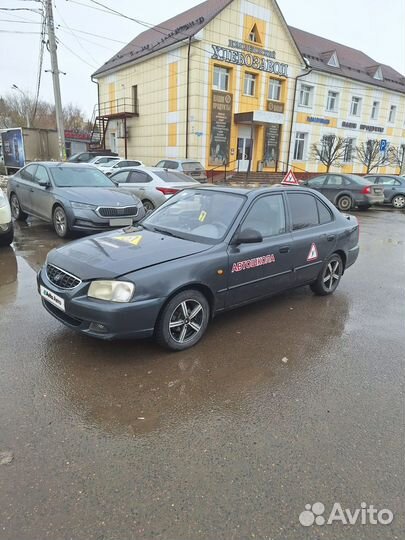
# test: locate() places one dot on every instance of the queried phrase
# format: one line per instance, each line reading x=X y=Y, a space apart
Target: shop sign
x=275 y=106
x=271 y=144
x=232 y=56
x=363 y=127
x=221 y=121
x=349 y=125
x=317 y=120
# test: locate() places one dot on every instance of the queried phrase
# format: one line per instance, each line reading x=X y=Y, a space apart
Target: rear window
x=359 y=179
x=171 y=176
x=192 y=166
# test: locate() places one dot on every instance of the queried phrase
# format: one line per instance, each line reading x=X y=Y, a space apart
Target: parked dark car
x=204 y=251
x=85 y=157
x=74 y=197
x=346 y=191
x=393 y=186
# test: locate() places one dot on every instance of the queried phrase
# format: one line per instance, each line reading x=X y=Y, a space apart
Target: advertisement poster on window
x=271 y=145
x=221 y=121
x=13 y=148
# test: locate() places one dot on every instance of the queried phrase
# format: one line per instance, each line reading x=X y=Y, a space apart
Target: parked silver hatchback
x=191 y=167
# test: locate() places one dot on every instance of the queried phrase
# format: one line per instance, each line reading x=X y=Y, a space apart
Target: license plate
x=120 y=222
x=52 y=298
x=377 y=190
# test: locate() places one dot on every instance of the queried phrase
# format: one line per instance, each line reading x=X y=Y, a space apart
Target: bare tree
x=330 y=150
x=396 y=156
x=370 y=155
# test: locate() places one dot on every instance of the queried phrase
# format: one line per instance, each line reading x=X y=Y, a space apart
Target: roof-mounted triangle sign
x=290 y=179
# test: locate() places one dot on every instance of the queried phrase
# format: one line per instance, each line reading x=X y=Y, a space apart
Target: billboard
x=13 y=148
x=221 y=121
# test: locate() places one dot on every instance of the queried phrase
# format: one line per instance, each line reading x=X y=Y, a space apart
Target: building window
x=375 y=110
x=393 y=112
x=135 y=99
x=349 y=150
x=332 y=102
x=306 y=95
x=275 y=89
x=355 y=106
x=299 y=147
x=249 y=86
x=221 y=78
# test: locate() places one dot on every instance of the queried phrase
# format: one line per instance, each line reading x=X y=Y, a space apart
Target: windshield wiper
x=164 y=231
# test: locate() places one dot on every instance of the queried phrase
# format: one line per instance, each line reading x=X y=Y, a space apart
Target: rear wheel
x=16 y=211
x=183 y=320
x=398 y=201
x=329 y=276
x=344 y=203
x=148 y=205
x=60 y=222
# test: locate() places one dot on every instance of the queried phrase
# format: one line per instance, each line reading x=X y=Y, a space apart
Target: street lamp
x=27 y=117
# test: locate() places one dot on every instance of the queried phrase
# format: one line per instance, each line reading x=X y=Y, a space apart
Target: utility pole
x=55 y=78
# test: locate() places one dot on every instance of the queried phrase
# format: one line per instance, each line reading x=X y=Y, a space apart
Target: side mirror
x=248 y=236
x=44 y=183
x=304 y=182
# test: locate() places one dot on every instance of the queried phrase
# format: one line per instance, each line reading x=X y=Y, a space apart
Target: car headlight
x=113 y=291
x=3 y=200
x=83 y=206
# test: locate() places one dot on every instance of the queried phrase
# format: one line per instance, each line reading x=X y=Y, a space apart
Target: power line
x=59 y=41
x=40 y=63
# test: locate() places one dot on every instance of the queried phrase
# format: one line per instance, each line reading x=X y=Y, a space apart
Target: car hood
x=99 y=196
x=113 y=254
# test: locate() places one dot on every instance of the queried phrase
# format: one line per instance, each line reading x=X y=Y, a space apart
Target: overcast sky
x=374 y=26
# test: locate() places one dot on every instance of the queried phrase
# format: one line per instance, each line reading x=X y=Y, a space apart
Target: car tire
x=174 y=329
x=60 y=222
x=398 y=201
x=148 y=205
x=16 y=211
x=7 y=238
x=329 y=277
x=344 y=203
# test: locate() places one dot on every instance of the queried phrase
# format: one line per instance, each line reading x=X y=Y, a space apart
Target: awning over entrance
x=259 y=117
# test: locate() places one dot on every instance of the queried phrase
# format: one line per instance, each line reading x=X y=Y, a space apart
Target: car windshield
x=200 y=215
x=79 y=177
x=192 y=166
x=173 y=176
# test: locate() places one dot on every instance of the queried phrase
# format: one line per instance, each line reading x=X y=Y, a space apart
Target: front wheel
x=398 y=201
x=60 y=222
x=16 y=211
x=344 y=203
x=148 y=205
x=329 y=276
x=183 y=320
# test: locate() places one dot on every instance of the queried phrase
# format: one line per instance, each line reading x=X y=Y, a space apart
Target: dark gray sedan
x=74 y=197
x=393 y=186
x=346 y=191
x=204 y=251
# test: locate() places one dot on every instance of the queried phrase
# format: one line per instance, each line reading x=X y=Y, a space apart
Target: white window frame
x=392 y=114
x=249 y=84
x=306 y=90
x=300 y=145
x=223 y=78
x=329 y=98
x=275 y=86
x=358 y=106
x=375 y=110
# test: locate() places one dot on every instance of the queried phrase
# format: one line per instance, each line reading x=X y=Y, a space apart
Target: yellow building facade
x=228 y=82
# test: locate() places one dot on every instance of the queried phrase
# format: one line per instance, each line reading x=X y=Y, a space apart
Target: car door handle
x=330 y=237
x=284 y=249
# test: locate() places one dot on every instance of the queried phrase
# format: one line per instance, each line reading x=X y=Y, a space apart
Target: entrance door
x=245 y=147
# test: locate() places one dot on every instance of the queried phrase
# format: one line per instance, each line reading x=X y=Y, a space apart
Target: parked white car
x=153 y=185
x=6 y=222
x=111 y=168
x=103 y=161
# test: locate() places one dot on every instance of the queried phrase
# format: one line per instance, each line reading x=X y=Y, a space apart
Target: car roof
x=181 y=160
x=61 y=164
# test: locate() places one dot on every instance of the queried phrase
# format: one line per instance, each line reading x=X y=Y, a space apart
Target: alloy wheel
x=15 y=207
x=59 y=219
x=344 y=203
x=398 y=201
x=186 y=321
x=332 y=275
x=148 y=206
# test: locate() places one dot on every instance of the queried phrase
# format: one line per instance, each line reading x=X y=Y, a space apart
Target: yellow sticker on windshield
x=203 y=215
x=135 y=240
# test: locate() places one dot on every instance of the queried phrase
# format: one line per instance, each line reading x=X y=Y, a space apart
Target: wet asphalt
x=123 y=440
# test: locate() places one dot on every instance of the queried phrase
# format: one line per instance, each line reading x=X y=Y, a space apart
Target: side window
x=304 y=211
x=325 y=215
x=387 y=181
x=397 y=183
x=41 y=174
x=160 y=164
x=334 y=180
x=171 y=165
x=373 y=179
x=267 y=215
x=138 y=177
x=318 y=181
x=120 y=177
x=28 y=173
x=121 y=164
x=83 y=157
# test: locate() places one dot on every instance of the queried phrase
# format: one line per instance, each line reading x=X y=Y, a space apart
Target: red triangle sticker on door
x=313 y=253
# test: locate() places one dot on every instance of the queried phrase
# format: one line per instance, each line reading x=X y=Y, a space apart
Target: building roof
x=353 y=63
x=174 y=30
